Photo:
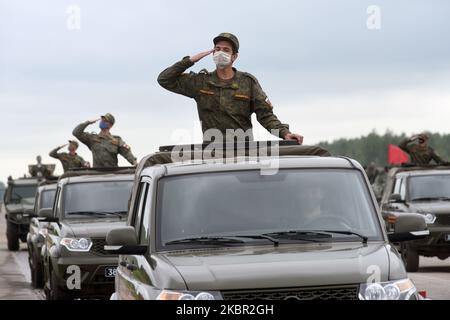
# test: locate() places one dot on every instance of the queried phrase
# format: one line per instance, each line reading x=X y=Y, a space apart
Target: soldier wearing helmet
x=226 y=98
x=104 y=146
x=420 y=152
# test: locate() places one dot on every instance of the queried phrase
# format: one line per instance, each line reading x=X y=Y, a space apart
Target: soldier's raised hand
x=201 y=55
x=94 y=121
x=63 y=146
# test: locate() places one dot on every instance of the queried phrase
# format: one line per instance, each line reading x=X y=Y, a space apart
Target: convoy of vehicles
x=209 y=230
x=424 y=191
x=298 y=224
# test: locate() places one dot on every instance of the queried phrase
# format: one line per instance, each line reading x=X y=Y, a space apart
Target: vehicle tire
x=12 y=234
x=37 y=270
x=410 y=258
x=56 y=293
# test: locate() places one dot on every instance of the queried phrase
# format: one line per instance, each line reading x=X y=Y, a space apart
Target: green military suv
x=18 y=203
x=88 y=203
x=424 y=191
x=257 y=225
x=45 y=196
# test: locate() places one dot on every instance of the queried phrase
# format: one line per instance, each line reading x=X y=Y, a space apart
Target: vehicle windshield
x=248 y=203
x=47 y=199
x=432 y=187
x=22 y=192
x=97 y=199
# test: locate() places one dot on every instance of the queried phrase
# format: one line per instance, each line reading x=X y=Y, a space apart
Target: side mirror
x=30 y=213
x=46 y=215
x=409 y=226
x=124 y=241
x=395 y=197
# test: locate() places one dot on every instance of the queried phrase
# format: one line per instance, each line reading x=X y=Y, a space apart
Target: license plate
x=110 y=272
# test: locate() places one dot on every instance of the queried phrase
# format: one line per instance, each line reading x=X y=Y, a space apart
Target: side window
x=397 y=185
x=403 y=189
x=144 y=232
x=139 y=206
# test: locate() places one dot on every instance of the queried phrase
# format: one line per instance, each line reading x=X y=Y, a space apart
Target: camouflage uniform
x=105 y=148
x=68 y=160
x=223 y=104
x=420 y=155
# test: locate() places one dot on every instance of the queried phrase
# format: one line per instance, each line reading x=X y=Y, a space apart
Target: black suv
x=426 y=191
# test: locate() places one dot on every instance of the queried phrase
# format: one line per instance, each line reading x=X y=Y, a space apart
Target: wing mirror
x=124 y=241
x=395 y=198
x=409 y=226
x=46 y=215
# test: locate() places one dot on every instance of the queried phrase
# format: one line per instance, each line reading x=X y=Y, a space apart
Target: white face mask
x=222 y=59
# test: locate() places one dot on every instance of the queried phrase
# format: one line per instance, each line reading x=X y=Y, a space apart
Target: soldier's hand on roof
x=201 y=55
x=294 y=136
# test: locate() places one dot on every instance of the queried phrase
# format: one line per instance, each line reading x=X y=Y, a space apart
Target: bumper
x=437 y=243
x=89 y=272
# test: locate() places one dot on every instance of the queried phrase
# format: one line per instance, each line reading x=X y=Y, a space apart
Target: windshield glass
x=429 y=187
x=21 y=192
x=97 y=199
x=237 y=203
x=47 y=199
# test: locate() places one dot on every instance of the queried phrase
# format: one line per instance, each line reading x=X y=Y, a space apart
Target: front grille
x=443 y=220
x=317 y=293
x=98 y=247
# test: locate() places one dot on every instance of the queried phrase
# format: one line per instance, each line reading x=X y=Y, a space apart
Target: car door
x=130 y=266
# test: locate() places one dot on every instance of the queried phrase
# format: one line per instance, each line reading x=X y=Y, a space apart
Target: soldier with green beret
x=226 y=98
x=104 y=146
x=71 y=159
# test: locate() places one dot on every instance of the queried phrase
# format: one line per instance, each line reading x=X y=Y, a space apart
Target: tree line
x=374 y=147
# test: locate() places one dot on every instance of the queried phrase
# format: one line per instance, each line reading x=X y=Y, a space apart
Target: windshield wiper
x=313 y=235
x=206 y=240
x=259 y=236
x=431 y=199
x=99 y=213
x=347 y=232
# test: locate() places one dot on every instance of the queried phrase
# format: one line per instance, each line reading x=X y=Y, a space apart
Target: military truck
x=18 y=204
x=421 y=190
x=292 y=223
x=45 y=197
x=88 y=203
x=2 y=191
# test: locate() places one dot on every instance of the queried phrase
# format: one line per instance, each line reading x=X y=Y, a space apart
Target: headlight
x=186 y=295
x=77 y=245
x=395 y=290
x=430 y=218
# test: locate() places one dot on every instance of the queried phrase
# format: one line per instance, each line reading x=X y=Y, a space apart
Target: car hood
x=284 y=266
x=92 y=228
x=435 y=207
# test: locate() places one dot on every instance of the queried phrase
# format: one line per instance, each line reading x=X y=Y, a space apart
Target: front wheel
x=37 y=270
x=410 y=258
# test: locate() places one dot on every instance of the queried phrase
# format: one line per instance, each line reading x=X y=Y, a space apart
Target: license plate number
x=110 y=272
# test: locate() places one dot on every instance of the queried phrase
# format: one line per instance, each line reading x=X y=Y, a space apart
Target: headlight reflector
x=395 y=290
x=77 y=245
x=430 y=218
x=188 y=295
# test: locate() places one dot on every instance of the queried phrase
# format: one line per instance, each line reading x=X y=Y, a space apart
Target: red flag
x=396 y=155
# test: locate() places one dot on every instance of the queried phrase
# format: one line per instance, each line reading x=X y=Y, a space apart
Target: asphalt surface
x=15 y=279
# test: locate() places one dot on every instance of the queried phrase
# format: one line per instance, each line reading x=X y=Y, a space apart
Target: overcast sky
x=327 y=74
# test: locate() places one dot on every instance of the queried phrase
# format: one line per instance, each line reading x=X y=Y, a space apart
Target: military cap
x=225 y=36
x=109 y=117
x=75 y=143
x=424 y=136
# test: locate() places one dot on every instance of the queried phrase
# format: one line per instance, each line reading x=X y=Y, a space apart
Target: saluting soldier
x=104 y=146
x=71 y=159
x=226 y=98
x=420 y=153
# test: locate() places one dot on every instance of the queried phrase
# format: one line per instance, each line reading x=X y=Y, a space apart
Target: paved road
x=433 y=277
x=15 y=281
